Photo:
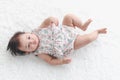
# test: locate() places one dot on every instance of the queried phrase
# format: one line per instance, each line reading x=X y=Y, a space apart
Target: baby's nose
x=32 y=42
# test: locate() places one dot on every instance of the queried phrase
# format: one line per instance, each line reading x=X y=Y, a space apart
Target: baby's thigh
x=67 y=20
x=81 y=41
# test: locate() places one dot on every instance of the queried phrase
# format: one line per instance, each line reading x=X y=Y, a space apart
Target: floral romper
x=57 y=41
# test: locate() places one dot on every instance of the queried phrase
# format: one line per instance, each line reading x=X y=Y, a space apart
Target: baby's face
x=28 y=42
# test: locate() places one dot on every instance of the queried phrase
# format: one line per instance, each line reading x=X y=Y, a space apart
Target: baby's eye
x=28 y=45
x=28 y=37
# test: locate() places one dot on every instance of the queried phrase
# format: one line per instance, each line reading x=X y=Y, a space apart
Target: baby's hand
x=53 y=25
x=66 y=60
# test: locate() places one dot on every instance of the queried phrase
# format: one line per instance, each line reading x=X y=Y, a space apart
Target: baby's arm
x=54 y=61
x=49 y=21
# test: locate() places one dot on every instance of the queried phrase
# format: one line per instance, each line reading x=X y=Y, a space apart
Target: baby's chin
x=37 y=43
x=29 y=52
x=36 y=47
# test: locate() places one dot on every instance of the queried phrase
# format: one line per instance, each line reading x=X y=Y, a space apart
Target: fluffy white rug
x=99 y=60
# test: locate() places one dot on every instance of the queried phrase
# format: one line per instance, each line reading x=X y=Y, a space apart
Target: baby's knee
x=67 y=16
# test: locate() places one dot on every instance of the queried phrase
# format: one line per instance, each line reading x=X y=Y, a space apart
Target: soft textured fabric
x=99 y=60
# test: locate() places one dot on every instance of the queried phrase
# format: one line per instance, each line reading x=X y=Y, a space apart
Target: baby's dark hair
x=14 y=43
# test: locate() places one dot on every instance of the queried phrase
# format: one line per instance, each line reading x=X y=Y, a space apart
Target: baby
x=53 y=42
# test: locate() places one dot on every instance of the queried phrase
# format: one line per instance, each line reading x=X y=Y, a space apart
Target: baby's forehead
x=24 y=34
x=23 y=37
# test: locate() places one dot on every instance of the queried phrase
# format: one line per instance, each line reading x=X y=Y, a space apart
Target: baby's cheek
x=33 y=46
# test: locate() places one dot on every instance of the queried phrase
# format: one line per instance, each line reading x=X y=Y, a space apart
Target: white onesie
x=57 y=41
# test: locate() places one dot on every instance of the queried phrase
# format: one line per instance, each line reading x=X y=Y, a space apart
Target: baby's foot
x=102 y=31
x=89 y=20
x=86 y=24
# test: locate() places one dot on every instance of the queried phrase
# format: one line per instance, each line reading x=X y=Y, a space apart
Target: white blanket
x=100 y=60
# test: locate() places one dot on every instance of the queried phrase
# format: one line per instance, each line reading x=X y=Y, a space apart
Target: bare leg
x=83 y=40
x=74 y=21
x=86 y=24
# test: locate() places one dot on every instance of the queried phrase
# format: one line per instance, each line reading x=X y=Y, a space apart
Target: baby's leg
x=49 y=21
x=74 y=21
x=83 y=40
